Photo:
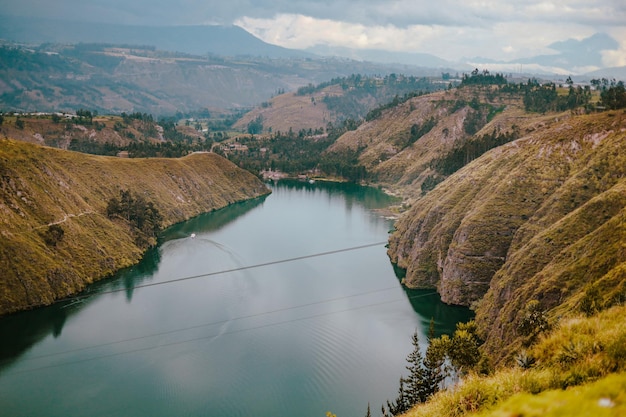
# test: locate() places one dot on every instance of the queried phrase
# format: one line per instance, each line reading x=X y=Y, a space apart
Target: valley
x=512 y=197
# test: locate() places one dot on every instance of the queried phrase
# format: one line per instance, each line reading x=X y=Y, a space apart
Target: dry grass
x=290 y=111
x=40 y=186
x=541 y=218
x=577 y=366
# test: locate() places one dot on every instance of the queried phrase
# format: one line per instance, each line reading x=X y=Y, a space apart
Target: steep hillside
x=401 y=146
x=534 y=228
x=292 y=111
x=56 y=234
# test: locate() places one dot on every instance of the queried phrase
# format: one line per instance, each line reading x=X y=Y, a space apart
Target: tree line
x=463 y=154
x=295 y=153
x=483 y=77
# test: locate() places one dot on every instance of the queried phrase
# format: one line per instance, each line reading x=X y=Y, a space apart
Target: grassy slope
x=580 y=370
x=40 y=186
x=293 y=111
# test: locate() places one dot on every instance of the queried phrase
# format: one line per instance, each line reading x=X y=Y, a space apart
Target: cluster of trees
x=256 y=126
x=142 y=149
x=614 y=97
x=140 y=214
x=84 y=116
x=445 y=356
x=53 y=235
x=144 y=117
x=298 y=153
x=543 y=98
x=463 y=154
x=483 y=78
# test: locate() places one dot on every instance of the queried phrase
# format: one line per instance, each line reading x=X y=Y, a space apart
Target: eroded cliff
x=540 y=218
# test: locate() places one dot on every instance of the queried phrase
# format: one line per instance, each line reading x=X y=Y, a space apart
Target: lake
x=286 y=305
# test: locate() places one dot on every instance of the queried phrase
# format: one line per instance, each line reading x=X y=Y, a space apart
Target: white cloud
x=516 y=39
x=297 y=31
x=616 y=58
x=451 y=29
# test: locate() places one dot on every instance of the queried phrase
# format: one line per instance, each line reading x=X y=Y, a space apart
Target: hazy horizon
x=450 y=29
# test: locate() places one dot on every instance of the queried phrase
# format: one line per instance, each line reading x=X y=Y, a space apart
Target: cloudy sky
x=450 y=29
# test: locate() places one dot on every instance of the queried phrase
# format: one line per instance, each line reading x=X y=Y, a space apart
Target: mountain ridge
x=57 y=232
x=494 y=232
x=197 y=40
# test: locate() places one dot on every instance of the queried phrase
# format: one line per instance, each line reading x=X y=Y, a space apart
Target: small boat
x=193 y=235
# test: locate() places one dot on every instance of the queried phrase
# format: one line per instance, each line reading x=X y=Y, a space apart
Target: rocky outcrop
x=44 y=187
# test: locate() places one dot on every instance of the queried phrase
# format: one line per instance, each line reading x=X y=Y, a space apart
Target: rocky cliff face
x=540 y=218
x=43 y=187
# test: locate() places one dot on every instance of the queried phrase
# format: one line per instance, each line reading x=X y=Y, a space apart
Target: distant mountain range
x=378 y=55
x=571 y=57
x=196 y=40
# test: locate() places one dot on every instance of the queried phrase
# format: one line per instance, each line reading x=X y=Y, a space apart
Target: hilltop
x=60 y=225
x=401 y=146
x=135 y=134
x=333 y=102
x=510 y=211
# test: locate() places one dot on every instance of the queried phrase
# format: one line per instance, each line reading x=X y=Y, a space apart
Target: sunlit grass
x=578 y=371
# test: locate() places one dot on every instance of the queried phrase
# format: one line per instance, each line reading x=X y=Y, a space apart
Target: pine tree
x=401 y=404
x=434 y=373
x=415 y=389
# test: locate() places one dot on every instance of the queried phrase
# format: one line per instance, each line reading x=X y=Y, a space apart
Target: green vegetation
x=142 y=215
x=614 y=97
x=577 y=369
x=463 y=153
x=482 y=78
x=301 y=153
x=445 y=356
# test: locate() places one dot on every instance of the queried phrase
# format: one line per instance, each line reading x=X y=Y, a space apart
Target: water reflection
x=288 y=338
x=20 y=331
x=219 y=219
x=427 y=304
x=367 y=197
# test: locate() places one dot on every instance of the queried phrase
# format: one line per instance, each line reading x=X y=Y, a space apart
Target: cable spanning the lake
x=214 y=323
x=201 y=338
x=225 y=271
